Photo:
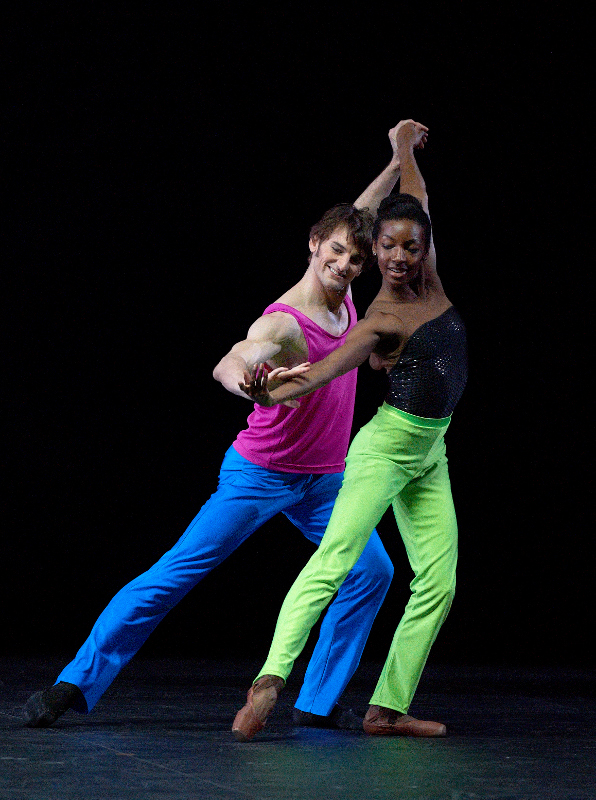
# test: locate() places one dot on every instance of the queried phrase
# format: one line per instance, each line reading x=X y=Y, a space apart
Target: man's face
x=336 y=260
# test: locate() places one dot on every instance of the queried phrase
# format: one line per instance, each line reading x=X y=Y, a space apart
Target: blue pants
x=246 y=497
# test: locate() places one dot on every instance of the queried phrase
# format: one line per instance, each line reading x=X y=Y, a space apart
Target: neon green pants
x=396 y=459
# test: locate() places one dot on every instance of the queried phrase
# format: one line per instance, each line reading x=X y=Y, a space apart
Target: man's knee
x=384 y=571
x=375 y=568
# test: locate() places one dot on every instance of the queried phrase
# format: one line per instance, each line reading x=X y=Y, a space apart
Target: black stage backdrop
x=162 y=171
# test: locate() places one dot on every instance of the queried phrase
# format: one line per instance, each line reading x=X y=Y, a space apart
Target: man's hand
x=258 y=383
x=408 y=133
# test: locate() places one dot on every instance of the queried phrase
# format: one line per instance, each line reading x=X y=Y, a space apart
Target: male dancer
x=289 y=459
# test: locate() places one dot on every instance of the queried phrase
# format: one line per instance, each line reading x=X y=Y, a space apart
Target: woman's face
x=400 y=249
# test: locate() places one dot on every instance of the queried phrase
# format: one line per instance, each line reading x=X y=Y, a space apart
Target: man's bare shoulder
x=276 y=326
x=294 y=297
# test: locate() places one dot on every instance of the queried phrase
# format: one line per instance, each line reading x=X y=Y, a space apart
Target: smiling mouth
x=339 y=275
x=397 y=271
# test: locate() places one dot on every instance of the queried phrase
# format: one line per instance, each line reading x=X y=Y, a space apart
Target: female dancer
x=414 y=333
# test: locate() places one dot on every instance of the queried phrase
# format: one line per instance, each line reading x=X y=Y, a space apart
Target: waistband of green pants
x=423 y=422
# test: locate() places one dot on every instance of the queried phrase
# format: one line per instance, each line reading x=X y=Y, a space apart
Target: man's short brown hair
x=357 y=221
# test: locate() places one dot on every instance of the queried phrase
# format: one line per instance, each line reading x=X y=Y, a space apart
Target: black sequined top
x=432 y=370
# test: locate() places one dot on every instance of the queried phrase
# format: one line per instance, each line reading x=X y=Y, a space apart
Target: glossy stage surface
x=163 y=731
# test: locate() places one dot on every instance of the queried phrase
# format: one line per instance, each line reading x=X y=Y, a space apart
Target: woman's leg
x=350 y=616
x=426 y=518
x=371 y=482
x=387 y=454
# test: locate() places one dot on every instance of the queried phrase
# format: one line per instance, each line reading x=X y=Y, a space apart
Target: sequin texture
x=430 y=376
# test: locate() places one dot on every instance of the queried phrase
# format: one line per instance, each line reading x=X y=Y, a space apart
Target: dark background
x=163 y=169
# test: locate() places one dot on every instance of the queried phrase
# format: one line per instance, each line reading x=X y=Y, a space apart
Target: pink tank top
x=313 y=438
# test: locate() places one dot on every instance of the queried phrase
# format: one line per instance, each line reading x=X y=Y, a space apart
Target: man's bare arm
x=383 y=184
x=381 y=187
x=267 y=338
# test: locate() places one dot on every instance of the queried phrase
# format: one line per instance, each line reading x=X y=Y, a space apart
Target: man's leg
x=349 y=618
x=245 y=498
x=426 y=518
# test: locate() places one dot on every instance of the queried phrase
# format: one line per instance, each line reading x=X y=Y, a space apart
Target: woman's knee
x=438 y=586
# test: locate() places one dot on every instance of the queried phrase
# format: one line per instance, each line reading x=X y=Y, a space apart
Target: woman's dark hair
x=359 y=223
x=403 y=206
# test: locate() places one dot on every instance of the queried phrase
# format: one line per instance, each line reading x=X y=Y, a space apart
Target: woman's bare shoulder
x=384 y=306
x=385 y=318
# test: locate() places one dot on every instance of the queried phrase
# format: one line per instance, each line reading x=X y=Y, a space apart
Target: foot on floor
x=260 y=700
x=341 y=719
x=42 y=709
x=381 y=721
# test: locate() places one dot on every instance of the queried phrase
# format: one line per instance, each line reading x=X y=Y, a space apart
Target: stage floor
x=163 y=731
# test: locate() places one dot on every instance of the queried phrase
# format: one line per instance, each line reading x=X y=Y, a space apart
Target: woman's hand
x=258 y=383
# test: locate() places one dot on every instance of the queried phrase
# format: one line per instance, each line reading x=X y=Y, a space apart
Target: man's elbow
x=218 y=372
x=229 y=369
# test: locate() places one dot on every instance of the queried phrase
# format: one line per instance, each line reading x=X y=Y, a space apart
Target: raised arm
x=359 y=344
x=383 y=184
x=381 y=187
x=409 y=136
x=270 y=339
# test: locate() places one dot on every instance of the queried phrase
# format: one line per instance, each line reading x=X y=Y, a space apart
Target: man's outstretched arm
x=267 y=338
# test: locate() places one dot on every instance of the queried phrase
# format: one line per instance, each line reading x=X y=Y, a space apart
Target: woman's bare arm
x=409 y=136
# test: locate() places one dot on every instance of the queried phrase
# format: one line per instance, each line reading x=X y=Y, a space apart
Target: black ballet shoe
x=341 y=719
x=42 y=709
